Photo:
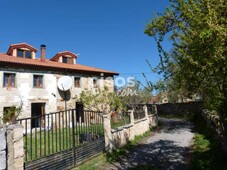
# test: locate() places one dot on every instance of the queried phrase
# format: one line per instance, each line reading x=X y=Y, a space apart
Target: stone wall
x=213 y=121
x=2 y=148
x=11 y=148
x=118 y=137
x=179 y=108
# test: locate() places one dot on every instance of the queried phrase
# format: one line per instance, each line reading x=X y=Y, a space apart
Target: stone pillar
x=2 y=149
x=15 y=146
x=154 y=109
x=132 y=117
x=107 y=132
x=146 y=111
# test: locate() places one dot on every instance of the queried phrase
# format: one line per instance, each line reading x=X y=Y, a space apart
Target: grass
x=120 y=120
x=207 y=153
x=44 y=143
x=115 y=155
x=93 y=164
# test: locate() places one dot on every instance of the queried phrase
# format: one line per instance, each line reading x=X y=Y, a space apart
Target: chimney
x=43 y=52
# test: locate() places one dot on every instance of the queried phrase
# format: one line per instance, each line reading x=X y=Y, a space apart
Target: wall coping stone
x=140 y=120
x=152 y=115
x=117 y=129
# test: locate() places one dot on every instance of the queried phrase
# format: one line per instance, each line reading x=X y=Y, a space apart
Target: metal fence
x=60 y=136
x=139 y=112
x=120 y=119
x=151 y=109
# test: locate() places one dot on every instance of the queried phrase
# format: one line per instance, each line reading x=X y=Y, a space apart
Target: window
x=76 y=81
x=20 y=53
x=95 y=83
x=67 y=60
x=9 y=114
x=9 y=80
x=64 y=59
x=28 y=54
x=24 y=53
x=38 y=81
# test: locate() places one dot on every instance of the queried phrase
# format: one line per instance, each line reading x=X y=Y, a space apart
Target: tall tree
x=198 y=58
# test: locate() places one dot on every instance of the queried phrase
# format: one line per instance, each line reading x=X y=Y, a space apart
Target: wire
x=136 y=73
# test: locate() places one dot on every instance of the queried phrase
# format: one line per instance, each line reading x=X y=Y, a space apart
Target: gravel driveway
x=167 y=149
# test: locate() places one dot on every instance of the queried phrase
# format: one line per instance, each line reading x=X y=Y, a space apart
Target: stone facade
x=11 y=148
x=27 y=81
x=49 y=95
x=2 y=149
x=15 y=147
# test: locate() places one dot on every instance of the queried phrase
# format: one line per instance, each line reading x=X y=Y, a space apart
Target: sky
x=107 y=34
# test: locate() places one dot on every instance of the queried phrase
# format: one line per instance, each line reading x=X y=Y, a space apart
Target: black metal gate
x=62 y=140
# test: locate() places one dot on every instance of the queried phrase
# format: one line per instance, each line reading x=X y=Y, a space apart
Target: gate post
x=15 y=147
x=107 y=132
x=73 y=137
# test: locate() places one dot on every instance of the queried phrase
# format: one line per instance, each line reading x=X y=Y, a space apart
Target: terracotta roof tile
x=4 y=58
x=64 y=53
x=21 y=45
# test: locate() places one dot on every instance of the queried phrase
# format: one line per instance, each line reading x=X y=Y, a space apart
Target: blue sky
x=107 y=34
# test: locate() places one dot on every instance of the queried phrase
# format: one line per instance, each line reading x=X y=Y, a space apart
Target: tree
x=135 y=95
x=197 y=61
x=102 y=100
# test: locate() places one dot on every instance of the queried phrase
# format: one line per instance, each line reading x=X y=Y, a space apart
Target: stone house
x=31 y=82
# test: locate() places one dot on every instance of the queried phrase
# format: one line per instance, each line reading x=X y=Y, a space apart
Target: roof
x=48 y=64
x=21 y=45
x=64 y=53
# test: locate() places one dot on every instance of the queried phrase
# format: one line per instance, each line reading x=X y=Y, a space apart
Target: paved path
x=167 y=149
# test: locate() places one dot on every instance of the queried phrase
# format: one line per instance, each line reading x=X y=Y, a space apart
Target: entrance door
x=79 y=112
x=38 y=109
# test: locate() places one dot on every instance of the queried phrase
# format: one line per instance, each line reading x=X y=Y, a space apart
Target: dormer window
x=24 y=53
x=22 y=50
x=65 y=57
x=68 y=60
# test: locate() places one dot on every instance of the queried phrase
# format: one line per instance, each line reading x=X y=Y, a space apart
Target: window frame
x=24 y=52
x=36 y=85
x=66 y=59
x=75 y=84
x=9 y=79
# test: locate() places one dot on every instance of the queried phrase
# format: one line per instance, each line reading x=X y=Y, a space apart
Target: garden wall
x=11 y=148
x=120 y=136
x=179 y=108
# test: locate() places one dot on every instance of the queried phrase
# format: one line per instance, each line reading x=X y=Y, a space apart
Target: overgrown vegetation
x=197 y=61
x=207 y=153
x=10 y=114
